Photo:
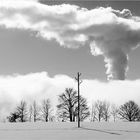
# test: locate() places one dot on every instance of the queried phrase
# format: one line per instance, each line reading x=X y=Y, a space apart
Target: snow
x=69 y=131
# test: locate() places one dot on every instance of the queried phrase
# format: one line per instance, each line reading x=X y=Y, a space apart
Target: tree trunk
x=46 y=119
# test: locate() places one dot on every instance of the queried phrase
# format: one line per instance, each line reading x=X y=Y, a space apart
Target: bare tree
x=13 y=117
x=129 y=111
x=35 y=111
x=99 y=109
x=30 y=113
x=46 y=110
x=62 y=115
x=93 y=113
x=106 y=110
x=67 y=102
x=68 y=106
x=84 y=109
x=21 y=111
x=114 y=111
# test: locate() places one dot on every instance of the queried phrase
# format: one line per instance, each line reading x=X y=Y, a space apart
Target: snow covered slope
x=69 y=131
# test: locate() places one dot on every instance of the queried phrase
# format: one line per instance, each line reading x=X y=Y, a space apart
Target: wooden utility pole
x=78 y=82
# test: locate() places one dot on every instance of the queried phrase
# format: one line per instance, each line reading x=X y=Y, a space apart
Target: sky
x=42 y=47
x=23 y=52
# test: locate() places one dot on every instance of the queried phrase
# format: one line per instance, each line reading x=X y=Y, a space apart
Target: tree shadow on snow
x=98 y=130
x=124 y=131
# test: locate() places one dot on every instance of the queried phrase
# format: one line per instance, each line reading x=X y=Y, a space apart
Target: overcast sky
x=43 y=46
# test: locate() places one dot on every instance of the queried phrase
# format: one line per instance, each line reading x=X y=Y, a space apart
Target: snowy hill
x=69 y=131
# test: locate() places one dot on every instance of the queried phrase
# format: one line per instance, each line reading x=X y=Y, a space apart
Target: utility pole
x=78 y=82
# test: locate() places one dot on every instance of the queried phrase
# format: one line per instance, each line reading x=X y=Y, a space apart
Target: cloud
x=30 y=87
x=116 y=92
x=108 y=32
x=38 y=86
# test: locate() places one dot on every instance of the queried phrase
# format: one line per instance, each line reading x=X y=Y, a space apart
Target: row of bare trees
x=67 y=110
x=102 y=110
x=34 y=113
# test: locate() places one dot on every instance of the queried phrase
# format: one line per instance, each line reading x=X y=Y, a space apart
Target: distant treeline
x=67 y=110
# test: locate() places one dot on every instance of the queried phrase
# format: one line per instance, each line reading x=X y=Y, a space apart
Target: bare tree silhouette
x=129 y=111
x=68 y=106
x=93 y=113
x=35 y=111
x=106 y=111
x=114 y=111
x=84 y=109
x=13 y=117
x=67 y=100
x=46 y=110
x=99 y=110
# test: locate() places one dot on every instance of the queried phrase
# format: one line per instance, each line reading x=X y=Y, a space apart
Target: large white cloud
x=108 y=32
x=38 y=86
x=30 y=87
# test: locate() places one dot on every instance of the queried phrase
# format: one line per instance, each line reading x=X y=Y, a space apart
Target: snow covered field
x=69 y=131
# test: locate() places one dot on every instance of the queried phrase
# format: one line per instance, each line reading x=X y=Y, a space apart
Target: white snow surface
x=69 y=131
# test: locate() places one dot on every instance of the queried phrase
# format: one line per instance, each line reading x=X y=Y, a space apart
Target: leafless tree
x=21 y=111
x=106 y=110
x=46 y=110
x=93 y=113
x=35 y=111
x=99 y=109
x=129 y=111
x=84 y=110
x=67 y=102
x=30 y=113
x=114 y=111
x=62 y=115
x=13 y=117
x=68 y=106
